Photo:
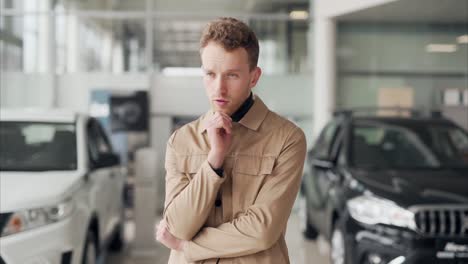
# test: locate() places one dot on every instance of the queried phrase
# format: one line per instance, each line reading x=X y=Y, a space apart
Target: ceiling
x=199 y=6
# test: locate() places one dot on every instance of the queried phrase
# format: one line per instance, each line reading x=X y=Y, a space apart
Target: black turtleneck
x=243 y=109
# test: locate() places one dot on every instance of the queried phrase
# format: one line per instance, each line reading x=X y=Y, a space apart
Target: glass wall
x=408 y=64
x=99 y=44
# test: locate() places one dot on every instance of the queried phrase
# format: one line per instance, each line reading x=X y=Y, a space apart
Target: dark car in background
x=389 y=190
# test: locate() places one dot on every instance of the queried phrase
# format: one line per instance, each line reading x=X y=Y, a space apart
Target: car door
x=115 y=200
x=322 y=176
x=332 y=182
x=100 y=177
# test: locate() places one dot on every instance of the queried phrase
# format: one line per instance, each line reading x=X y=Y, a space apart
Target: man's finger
x=220 y=122
x=224 y=115
x=214 y=123
x=227 y=126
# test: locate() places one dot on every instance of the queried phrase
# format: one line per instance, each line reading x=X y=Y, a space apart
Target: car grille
x=442 y=221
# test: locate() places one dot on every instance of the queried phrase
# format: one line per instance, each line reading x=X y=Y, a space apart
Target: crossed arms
x=189 y=202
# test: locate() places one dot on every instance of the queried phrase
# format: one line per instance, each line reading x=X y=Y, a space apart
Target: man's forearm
x=240 y=237
x=190 y=201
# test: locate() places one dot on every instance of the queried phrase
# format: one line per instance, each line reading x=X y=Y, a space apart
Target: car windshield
x=398 y=146
x=36 y=146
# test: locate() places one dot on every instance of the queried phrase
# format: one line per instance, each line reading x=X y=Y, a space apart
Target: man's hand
x=167 y=239
x=219 y=129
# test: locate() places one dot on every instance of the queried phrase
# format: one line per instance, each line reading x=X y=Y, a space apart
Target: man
x=233 y=174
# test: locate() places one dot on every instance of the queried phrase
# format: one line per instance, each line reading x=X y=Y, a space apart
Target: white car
x=61 y=188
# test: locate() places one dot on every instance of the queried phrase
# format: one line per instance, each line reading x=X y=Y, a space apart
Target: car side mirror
x=107 y=160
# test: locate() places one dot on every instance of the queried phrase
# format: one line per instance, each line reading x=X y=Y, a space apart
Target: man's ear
x=256 y=73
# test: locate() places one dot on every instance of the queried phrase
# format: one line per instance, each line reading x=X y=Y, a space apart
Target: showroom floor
x=301 y=251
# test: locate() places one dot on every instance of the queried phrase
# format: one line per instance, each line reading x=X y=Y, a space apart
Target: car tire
x=338 y=247
x=90 y=249
x=308 y=231
x=117 y=242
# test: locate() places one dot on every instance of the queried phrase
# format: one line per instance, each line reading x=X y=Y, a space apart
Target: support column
x=52 y=45
x=324 y=71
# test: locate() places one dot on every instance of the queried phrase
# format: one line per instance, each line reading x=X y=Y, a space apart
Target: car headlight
x=369 y=209
x=28 y=219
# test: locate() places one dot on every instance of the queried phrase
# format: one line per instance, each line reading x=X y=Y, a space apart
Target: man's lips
x=220 y=102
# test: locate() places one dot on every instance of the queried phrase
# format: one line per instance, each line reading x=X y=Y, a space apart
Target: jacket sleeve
x=261 y=225
x=188 y=202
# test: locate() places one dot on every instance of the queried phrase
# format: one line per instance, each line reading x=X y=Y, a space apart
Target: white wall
x=287 y=94
x=73 y=90
x=31 y=90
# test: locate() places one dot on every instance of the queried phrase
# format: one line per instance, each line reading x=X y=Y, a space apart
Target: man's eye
x=210 y=74
x=232 y=75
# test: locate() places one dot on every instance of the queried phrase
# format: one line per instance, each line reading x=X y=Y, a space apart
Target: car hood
x=26 y=190
x=416 y=187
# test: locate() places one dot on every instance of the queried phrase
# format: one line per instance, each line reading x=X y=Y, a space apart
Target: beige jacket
x=262 y=175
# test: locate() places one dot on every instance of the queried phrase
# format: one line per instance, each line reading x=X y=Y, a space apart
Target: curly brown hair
x=232 y=33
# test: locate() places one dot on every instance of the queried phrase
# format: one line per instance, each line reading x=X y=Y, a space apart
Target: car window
x=337 y=152
x=97 y=141
x=91 y=142
x=398 y=146
x=102 y=140
x=325 y=141
x=37 y=146
x=449 y=143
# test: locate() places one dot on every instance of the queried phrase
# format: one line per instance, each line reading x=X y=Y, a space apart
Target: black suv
x=388 y=190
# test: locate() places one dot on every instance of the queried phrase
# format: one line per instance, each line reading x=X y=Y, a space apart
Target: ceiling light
x=463 y=39
x=299 y=15
x=443 y=48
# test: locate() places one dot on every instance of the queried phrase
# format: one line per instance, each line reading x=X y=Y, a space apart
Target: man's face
x=227 y=77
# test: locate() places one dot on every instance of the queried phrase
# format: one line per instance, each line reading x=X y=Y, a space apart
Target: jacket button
x=218 y=203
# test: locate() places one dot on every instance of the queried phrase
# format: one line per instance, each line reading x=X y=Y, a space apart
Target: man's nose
x=220 y=85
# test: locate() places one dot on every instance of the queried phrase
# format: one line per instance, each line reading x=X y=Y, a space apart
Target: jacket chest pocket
x=249 y=175
x=190 y=165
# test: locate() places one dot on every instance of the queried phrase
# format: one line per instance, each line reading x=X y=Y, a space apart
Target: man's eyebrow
x=228 y=70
